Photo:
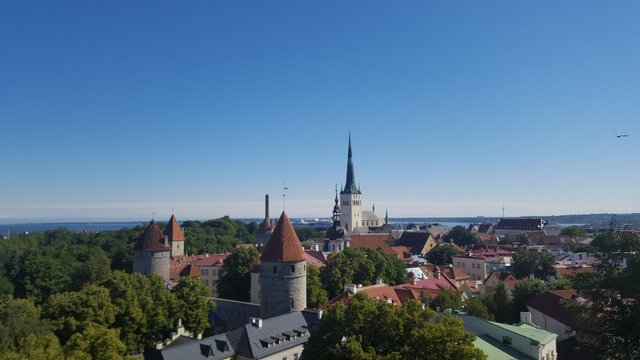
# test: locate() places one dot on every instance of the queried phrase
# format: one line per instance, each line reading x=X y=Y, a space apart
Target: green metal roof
x=537 y=335
x=495 y=350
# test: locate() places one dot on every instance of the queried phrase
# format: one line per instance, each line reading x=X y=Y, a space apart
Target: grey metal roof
x=274 y=328
x=216 y=347
x=275 y=335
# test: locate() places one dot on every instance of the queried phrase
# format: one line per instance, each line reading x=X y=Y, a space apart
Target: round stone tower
x=151 y=254
x=283 y=272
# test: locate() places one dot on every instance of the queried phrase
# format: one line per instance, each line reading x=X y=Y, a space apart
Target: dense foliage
x=442 y=254
x=460 y=236
x=235 y=276
x=361 y=266
x=217 y=236
x=71 y=295
x=539 y=263
x=370 y=329
x=316 y=294
x=612 y=313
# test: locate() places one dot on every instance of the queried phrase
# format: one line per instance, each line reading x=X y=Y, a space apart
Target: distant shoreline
x=597 y=220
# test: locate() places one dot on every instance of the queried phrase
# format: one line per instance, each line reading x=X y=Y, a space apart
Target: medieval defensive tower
x=283 y=272
x=151 y=254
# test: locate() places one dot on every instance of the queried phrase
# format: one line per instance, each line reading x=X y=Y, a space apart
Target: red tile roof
x=377 y=241
x=152 y=239
x=283 y=244
x=173 y=230
x=315 y=258
x=402 y=251
x=190 y=270
x=211 y=260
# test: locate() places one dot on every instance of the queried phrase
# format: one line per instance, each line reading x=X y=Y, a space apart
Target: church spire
x=350 y=185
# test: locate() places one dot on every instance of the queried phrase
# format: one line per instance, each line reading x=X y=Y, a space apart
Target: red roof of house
x=190 y=270
x=152 y=239
x=315 y=258
x=551 y=304
x=402 y=251
x=211 y=260
x=283 y=244
x=374 y=241
x=173 y=230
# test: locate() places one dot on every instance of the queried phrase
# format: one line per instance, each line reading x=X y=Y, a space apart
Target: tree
x=195 y=304
x=23 y=333
x=442 y=254
x=500 y=304
x=316 y=294
x=447 y=299
x=72 y=312
x=574 y=231
x=235 y=279
x=360 y=266
x=130 y=317
x=96 y=342
x=524 y=291
x=460 y=236
x=308 y=233
x=475 y=306
x=612 y=310
x=540 y=263
x=400 y=332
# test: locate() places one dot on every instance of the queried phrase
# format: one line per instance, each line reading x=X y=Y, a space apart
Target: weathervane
x=284 y=189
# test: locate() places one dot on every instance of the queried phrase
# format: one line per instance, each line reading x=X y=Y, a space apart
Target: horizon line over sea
x=7 y=226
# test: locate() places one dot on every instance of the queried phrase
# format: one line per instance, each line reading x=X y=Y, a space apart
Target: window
x=506 y=339
x=275 y=269
x=292 y=303
x=293 y=269
x=295 y=356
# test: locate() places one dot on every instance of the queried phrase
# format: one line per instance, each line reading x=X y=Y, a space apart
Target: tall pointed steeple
x=350 y=185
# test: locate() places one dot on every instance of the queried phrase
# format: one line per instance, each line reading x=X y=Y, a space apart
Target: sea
x=7 y=229
x=97 y=226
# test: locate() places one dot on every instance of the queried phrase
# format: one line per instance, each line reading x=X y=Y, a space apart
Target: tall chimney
x=266 y=206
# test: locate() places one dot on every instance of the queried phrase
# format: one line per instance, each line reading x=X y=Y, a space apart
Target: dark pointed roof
x=173 y=230
x=335 y=231
x=283 y=244
x=350 y=185
x=152 y=239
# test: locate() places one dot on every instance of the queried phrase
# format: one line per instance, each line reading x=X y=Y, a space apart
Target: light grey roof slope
x=369 y=216
x=211 y=348
x=275 y=335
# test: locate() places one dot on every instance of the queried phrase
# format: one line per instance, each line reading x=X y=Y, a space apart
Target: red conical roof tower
x=152 y=239
x=173 y=230
x=283 y=245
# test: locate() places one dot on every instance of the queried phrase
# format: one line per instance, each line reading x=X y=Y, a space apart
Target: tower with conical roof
x=173 y=232
x=350 y=198
x=266 y=226
x=283 y=272
x=151 y=254
x=334 y=238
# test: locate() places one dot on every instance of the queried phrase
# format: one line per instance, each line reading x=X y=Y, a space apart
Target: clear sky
x=117 y=109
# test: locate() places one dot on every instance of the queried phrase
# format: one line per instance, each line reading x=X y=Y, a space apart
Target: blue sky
x=117 y=109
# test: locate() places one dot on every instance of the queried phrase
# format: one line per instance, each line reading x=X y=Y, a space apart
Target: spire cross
x=153 y=215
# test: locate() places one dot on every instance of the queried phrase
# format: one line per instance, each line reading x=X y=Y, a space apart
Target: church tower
x=350 y=198
x=283 y=272
x=334 y=238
